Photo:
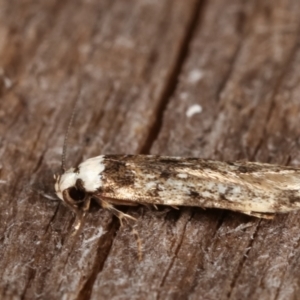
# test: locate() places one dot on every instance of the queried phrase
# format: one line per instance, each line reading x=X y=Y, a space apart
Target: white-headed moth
x=251 y=188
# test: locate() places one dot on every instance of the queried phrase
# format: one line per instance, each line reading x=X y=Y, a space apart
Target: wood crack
x=191 y=214
x=243 y=260
x=104 y=247
x=171 y=83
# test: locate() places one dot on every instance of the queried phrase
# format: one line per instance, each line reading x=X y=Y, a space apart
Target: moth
x=251 y=188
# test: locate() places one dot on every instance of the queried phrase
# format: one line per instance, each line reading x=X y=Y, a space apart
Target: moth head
x=69 y=188
x=74 y=185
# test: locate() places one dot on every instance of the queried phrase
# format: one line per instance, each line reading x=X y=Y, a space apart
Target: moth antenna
x=64 y=153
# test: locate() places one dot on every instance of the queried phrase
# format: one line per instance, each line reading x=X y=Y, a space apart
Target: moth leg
x=139 y=243
x=120 y=215
x=149 y=206
x=78 y=221
x=267 y=216
x=86 y=204
x=80 y=213
x=119 y=202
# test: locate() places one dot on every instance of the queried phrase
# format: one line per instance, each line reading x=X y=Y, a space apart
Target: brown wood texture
x=138 y=66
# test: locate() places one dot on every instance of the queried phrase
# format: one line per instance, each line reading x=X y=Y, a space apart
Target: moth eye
x=75 y=194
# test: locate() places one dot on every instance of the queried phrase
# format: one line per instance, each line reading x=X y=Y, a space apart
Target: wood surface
x=137 y=67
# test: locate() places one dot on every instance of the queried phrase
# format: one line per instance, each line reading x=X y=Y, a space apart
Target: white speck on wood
x=7 y=82
x=195 y=76
x=194 y=109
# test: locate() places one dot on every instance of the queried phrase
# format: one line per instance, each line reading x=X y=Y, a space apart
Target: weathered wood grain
x=138 y=66
x=114 y=52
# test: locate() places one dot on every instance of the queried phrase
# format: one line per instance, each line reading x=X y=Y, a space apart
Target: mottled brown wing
x=240 y=186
